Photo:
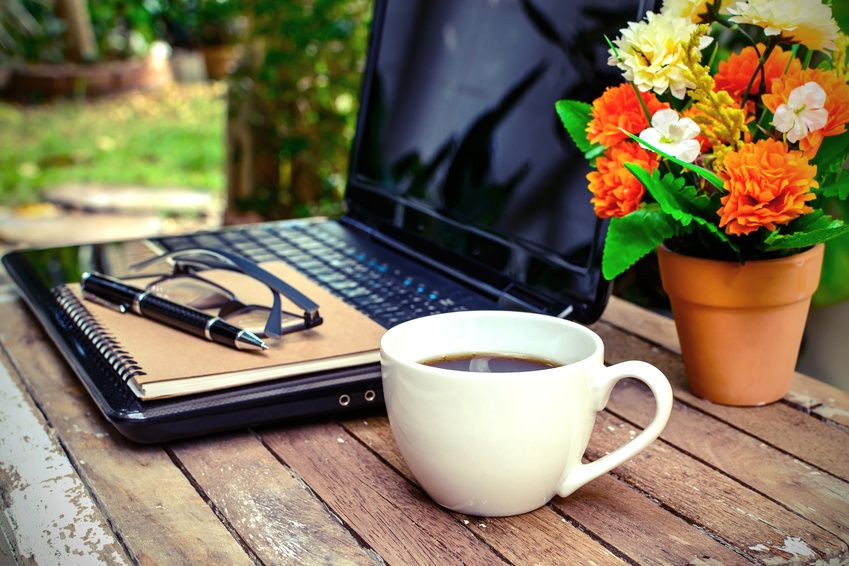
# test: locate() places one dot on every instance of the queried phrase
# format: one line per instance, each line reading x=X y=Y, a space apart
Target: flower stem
x=759 y=70
x=724 y=21
x=633 y=86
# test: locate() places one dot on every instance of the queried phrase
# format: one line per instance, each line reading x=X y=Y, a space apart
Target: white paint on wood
x=52 y=516
x=830 y=412
x=797 y=547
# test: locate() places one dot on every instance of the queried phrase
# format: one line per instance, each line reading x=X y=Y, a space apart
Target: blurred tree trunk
x=293 y=108
x=253 y=162
x=81 y=43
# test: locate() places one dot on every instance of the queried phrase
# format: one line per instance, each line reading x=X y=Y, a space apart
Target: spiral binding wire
x=103 y=341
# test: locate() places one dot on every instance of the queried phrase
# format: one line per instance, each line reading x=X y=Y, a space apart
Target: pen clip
x=100 y=301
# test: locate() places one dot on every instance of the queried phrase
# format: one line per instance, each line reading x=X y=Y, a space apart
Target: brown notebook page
x=176 y=363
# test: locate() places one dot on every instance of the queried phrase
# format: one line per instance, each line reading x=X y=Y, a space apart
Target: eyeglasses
x=186 y=285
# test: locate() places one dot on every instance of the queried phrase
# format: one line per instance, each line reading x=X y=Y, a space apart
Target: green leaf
x=832 y=154
x=705 y=174
x=575 y=116
x=839 y=189
x=596 y=150
x=672 y=194
x=631 y=237
x=834 y=285
x=682 y=202
x=807 y=230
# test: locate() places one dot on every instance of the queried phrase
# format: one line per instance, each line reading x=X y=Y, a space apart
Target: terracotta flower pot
x=740 y=325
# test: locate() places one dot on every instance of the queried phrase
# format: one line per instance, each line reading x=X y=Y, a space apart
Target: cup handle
x=602 y=386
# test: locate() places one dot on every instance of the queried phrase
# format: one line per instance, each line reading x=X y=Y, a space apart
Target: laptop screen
x=459 y=150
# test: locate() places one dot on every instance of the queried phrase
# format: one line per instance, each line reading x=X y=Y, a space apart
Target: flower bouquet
x=725 y=142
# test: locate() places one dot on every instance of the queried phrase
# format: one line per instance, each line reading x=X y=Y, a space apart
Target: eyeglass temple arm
x=311 y=316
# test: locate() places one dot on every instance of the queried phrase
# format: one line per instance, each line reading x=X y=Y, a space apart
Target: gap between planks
x=626 y=525
x=170 y=523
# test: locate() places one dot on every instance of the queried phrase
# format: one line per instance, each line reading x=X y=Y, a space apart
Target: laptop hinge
x=516 y=298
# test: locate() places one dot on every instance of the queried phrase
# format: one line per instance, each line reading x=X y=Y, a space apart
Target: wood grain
x=159 y=515
x=806 y=393
x=272 y=511
x=614 y=513
x=44 y=506
x=389 y=513
x=642 y=322
x=640 y=528
x=809 y=492
x=780 y=425
x=540 y=537
x=755 y=525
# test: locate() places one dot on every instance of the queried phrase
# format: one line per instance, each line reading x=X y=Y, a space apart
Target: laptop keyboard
x=389 y=289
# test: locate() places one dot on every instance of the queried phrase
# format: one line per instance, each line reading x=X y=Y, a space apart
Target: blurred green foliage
x=31 y=31
x=302 y=80
x=191 y=23
x=834 y=283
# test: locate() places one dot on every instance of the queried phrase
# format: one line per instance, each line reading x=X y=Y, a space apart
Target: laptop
x=463 y=192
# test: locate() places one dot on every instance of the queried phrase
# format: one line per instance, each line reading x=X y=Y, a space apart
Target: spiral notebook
x=158 y=361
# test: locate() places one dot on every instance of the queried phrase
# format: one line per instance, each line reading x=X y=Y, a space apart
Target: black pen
x=118 y=295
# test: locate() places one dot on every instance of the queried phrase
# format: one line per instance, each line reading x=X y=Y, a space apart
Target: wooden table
x=723 y=485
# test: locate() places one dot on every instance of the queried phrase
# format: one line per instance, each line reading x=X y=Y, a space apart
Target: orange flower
x=767 y=185
x=616 y=191
x=734 y=74
x=618 y=107
x=836 y=103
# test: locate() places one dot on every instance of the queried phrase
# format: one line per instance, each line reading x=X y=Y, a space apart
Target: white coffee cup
x=496 y=444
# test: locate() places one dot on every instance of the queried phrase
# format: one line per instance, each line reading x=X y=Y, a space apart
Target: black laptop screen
x=459 y=144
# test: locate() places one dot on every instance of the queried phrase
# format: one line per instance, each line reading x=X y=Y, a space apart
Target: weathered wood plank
x=614 y=513
x=273 y=512
x=540 y=537
x=7 y=555
x=820 y=497
x=820 y=399
x=639 y=527
x=391 y=515
x=807 y=393
x=161 y=518
x=642 y=322
x=755 y=525
x=47 y=510
x=778 y=424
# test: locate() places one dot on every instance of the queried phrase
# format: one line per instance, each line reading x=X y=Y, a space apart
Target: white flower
x=803 y=113
x=673 y=135
x=652 y=53
x=808 y=22
x=693 y=10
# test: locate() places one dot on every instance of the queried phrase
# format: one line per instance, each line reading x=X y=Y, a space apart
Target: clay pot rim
x=812 y=250
x=730 y=284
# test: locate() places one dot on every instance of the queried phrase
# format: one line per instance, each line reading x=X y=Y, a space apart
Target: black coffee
x=490 y=363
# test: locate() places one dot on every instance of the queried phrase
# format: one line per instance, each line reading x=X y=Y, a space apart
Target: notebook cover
x=162 y=362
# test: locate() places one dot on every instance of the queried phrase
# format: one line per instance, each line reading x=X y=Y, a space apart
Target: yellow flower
x=652 y=53
x=693 y=10
x=722 y=122
x=808 y=22
x=839 y=60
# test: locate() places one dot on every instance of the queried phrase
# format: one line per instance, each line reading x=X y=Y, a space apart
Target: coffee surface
x=489 y=362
